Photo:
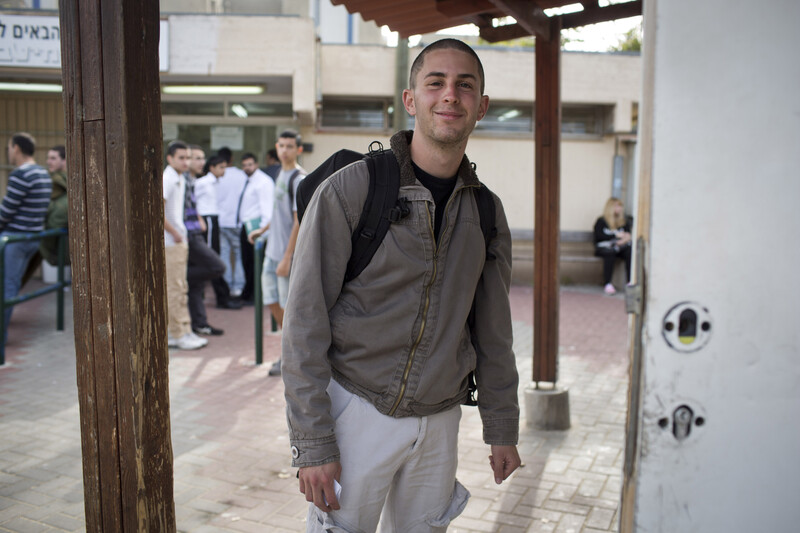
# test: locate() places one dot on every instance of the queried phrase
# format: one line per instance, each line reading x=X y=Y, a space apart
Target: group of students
x=213 y=214
x=35 y=200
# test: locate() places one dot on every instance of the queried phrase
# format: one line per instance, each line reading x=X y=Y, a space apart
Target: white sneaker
x=172 y=342
x=197 y=338
x=609 y=289
x=188 y=343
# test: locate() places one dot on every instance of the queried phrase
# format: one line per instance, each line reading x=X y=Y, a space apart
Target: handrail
x=58 y=286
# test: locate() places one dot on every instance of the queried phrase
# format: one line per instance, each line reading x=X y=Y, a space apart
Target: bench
x=577 y=263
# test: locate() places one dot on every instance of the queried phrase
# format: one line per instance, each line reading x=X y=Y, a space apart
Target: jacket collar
x=400 y=143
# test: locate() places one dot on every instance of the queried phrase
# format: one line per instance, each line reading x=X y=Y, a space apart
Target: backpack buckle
x=375 y=147
x=400 y=211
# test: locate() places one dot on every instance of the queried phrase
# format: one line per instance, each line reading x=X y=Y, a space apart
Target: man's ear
x=408 y=102
x=484 y=107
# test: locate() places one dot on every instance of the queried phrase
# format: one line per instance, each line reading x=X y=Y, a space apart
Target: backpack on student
x=382 y=208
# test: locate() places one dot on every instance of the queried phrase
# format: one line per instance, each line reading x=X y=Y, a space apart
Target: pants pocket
x=458 y=501
x=341 y=399
x=319 y=522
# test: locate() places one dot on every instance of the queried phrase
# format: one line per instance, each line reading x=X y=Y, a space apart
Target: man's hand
x=282 y=269
x=253 y=235
x=316 y=482
x=504 y=460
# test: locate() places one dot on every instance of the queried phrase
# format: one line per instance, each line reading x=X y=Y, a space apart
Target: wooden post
x=113 y=129
x=547 y=197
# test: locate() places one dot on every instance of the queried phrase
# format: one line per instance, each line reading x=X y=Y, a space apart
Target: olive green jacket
x=397 y=334
x=57 y=217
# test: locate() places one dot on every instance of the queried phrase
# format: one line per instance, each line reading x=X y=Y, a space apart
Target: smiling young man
x=376 y=369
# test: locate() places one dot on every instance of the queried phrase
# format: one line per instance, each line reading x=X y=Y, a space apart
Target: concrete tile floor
x=232 y=463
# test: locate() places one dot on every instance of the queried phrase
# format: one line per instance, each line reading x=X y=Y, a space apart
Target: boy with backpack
x=377 y=365
x=283 y=229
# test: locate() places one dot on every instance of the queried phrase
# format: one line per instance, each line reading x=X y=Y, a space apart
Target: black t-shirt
x=440 y=189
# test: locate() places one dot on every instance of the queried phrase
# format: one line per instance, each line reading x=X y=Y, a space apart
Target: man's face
x=288 y=151
x=446 y=100
x=218 y=170
x=249 y=166
x=13 y=153
x=179 y=160
x=197 y=160
x=54 y=162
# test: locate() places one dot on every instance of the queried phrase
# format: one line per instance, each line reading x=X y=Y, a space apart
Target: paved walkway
x=232 y=463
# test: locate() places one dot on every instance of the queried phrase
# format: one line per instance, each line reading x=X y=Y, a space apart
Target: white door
x=714 y=442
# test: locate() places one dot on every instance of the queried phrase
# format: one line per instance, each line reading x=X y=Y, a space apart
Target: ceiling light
x=512 y=113
x=213 y=89
x=31 y=87
x=239 y=110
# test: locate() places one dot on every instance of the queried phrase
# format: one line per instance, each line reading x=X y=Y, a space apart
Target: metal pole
x=3 y=241
x=60 y=293
x=258 y=303
x=400 y=83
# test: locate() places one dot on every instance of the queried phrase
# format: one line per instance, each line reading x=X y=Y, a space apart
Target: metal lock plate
x=687 y=327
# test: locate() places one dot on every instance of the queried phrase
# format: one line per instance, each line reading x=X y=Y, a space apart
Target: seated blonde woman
x=612 y=241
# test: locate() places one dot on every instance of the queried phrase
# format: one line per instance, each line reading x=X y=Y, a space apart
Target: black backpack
x=382 y=208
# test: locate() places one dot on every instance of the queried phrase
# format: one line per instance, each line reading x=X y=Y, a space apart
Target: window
x=193 y=108
x=362 y=114
x=507 y=118
x=584 y=120
x=259 y=109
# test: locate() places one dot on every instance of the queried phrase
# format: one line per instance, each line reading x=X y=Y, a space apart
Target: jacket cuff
x=314 y=452
x=501 y=432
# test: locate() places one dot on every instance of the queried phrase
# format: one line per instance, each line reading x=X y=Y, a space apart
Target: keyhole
x=682 y=422
x=687 y=326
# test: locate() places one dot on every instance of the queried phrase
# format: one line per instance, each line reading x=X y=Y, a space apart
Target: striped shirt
x=24 y=207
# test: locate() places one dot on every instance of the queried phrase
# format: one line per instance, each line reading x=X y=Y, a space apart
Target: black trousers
x=211 y=236
x=248 y=263
x=610 y=256
x=204 y=264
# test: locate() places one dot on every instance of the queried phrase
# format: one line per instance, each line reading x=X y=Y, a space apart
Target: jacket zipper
x=413 y=352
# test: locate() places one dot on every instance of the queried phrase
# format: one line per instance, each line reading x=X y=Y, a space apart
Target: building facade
x=236 y=73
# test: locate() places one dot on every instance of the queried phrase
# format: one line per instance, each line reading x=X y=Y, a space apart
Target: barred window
x=356 y=113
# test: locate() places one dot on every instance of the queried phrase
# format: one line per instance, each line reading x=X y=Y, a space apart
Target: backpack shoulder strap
x=292 y=179
x=488 y=213
x=384 y=186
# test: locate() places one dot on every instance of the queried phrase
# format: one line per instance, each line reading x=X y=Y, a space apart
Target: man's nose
x=451 y=92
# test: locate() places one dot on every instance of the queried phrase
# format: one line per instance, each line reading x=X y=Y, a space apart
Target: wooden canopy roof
x=412 y=17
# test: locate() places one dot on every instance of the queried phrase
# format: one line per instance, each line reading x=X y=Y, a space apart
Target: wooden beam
x=465 y=8
x=503 y=33
x=414 y=18
x=603 y=14
x=113 y=125
x=528 y=15
x=547 y=199
x=373 y=10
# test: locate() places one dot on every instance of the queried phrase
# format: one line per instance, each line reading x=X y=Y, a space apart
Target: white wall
x=248 y=46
